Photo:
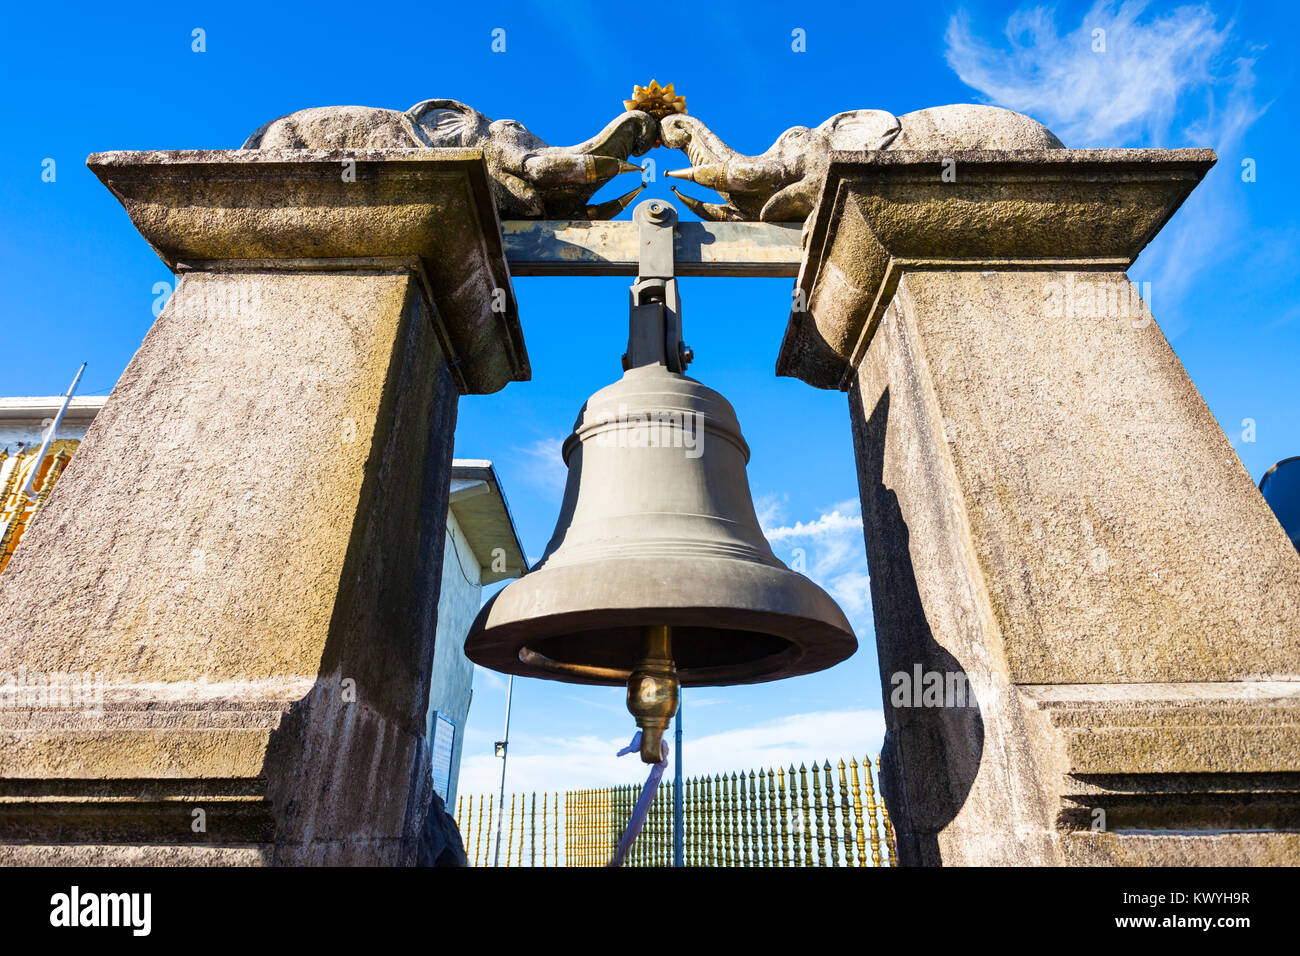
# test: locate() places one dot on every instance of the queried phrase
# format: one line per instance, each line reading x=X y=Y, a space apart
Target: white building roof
x=484 y=517
x=36 y=409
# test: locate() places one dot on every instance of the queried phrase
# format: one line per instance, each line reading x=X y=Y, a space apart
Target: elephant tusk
x=553 y=170
x=686 y=174
x=612 y=207
x=714 y=212
x=602 y=168
x=734 y=176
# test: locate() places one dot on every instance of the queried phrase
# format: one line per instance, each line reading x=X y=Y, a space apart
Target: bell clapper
x=652 y=691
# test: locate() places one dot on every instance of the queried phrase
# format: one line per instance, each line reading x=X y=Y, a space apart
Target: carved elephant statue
x=783 y=184
x=530 y=180
x=780 y=185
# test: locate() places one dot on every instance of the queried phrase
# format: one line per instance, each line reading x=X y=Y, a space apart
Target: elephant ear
x=862 y=129
x=447 y=123
x=255 y=140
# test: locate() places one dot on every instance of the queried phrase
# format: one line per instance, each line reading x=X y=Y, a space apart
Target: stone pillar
x=1054 y=521
x=239 y=570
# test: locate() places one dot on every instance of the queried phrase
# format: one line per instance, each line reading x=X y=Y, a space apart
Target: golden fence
x=826 y=816
x=17 y=511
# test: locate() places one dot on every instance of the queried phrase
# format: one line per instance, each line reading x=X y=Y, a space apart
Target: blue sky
x=78 y=283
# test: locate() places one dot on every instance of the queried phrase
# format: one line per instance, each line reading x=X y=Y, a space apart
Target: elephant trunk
x=701 y=145
x=631 y=134
x=746 y=182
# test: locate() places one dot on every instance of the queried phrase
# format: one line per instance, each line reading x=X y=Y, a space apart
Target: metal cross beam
x=581 y=248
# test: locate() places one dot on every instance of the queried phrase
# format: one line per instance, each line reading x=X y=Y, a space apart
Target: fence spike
x=807 y=817
x=890 y=843
x=773 y=834
x=871 y=811
x=710 y=825
x=857 y=812
x=464 y=826
x=817 y=814
x=688 y=821
x=832 y=831
x=746 y=830
x=845 y=817
x=511 y=840
x=737 y=820
x=783 y=821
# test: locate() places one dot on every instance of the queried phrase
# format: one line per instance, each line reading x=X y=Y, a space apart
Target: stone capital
x=882 y=214
x=339 y=210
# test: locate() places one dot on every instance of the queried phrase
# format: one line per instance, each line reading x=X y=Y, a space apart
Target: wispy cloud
x=491 y=679
x=1124 y=85
x=832 y=525
x=1122 y=77
x=550 y=764
x=795 y=739
x=598 y=704
x=546 y=467
x=768 y=507
x=830 y=550
x=707 y=701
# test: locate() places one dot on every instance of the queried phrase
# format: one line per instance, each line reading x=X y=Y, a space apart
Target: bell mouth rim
x=740 y=615
x=810 y=645
x=747 y=672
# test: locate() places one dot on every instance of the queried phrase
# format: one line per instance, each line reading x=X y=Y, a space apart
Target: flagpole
x=679 y=828
x=503 y=747
x=49 y=435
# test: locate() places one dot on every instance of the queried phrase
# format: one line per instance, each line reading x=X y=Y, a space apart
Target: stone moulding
x=884 y=213
x=320 y=209
x=1188 y=774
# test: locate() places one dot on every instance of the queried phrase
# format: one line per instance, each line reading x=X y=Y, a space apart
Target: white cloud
x=492 y=679
x=833 y=553
x=540 y=764
x=829 y=526
x=796 y=739
x=852 y=590
x=1129 y=91
x=545 y=763
x=547 y=469
x=1173 y=79
x=768 y=508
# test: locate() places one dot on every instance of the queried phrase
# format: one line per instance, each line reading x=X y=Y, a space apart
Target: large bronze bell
x=658 y=572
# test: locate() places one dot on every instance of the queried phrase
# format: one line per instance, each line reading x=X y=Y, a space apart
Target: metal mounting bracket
x=655 y=308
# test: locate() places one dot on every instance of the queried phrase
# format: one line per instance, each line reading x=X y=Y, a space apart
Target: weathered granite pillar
x=1054 y=521
x=240 y=567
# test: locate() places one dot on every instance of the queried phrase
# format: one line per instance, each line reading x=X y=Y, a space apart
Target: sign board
x=444 y=739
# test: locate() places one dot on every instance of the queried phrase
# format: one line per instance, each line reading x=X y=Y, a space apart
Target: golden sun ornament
x=658 y=101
